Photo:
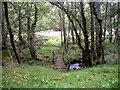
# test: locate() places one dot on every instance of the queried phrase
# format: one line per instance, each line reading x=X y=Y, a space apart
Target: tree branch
x=68 y=15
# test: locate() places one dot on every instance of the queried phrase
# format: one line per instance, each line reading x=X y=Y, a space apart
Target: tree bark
x=86 y=53
x=72 y=32
x=106 y=19
x=31 y=31
x=64 y=32
x=100 y=50
x=21 y=41
x=97 y=10
x=68 y=29
x=10 y=32
x=4 y=32
x=118 y=25
x=111 y=26
x=92 y=33
x=60 y=25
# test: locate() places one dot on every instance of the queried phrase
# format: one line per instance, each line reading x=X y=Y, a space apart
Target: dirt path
x=59 y=63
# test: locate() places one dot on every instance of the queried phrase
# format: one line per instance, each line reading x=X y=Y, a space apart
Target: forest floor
x=37 y=76
x=42 y=76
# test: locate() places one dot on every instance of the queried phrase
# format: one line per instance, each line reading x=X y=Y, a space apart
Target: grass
x=55 y=42
x=35 y=76
x=50 y=46
x=0 y=77
x=48 y=50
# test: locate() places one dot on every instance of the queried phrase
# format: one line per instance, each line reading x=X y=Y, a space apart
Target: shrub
x=31 y=62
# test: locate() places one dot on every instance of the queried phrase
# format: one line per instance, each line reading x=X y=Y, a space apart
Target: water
x=74 y=66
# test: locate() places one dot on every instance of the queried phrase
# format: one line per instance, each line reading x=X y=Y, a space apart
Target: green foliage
x=43 y=77
x=111 y=59
x=31 y=62
x=46 y=51
x=74 y=53
x=26 y=53
x=48 y=17
x=111 y=47
x=111 y=53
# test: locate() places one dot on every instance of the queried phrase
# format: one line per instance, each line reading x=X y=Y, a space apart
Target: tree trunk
x=28 y=27
x=92 y=33
x=110 y=32
x=86 y=51
x=68 y=34
x=64 y=32
x=19 y=25
x=75 y=12
x=114 y=29
x=97 y=8
x=100 y=50
x=72 y=32
x=10 y=32
x=4 y=32
x=31 y=32
x=60 y=25
x=68 y=30
x=118 y=25
x=75 y=30
x=106 y=19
